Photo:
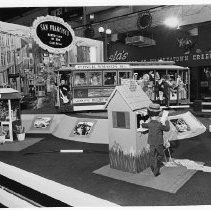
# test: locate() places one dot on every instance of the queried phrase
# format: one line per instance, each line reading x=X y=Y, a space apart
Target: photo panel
x=83 y=128
x=41 y=123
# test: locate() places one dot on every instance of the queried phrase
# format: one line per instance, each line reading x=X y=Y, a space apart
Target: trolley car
x=89 y=85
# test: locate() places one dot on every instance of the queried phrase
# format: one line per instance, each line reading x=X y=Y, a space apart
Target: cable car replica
x=87 y=86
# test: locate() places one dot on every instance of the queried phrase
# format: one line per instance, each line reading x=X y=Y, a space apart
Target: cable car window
x=124 y=75
x=80 y=79
x=95 y=78
x=110 y=78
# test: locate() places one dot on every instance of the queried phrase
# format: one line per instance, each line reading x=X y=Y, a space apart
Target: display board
x=41 y=122
x=83 y=128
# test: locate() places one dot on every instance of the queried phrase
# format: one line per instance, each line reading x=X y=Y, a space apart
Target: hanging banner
x=53 y=34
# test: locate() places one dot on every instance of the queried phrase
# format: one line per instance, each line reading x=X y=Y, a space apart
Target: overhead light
x=101 y=29
x=108 y=31
x=172 y=22
x=91 y=16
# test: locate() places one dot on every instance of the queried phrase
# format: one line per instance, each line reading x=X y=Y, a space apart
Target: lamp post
x=105 y=35
x=15 y=57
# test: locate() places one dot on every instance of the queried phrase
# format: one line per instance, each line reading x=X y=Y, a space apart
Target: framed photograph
x=6 y=128
x=180 y=125
x=42 y=122
x=83 y=128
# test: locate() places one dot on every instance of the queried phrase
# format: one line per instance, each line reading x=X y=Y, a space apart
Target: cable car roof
x=131 y=63
x=154 y=65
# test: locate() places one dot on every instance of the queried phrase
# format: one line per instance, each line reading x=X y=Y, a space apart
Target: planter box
x=2 y=139
x=21 y=136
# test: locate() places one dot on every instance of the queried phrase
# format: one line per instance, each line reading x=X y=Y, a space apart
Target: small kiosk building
x=126 y=144
x=9 y=111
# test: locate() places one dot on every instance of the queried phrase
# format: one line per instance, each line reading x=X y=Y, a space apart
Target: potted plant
x=2 y=135
x=20 y=132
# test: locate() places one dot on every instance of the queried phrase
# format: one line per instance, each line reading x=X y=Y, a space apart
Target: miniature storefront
x=9 y=111
x=126 y=144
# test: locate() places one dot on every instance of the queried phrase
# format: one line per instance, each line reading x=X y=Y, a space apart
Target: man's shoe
x=157 y=174
x=161 y=164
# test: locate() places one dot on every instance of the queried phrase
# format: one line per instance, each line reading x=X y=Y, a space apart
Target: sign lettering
x=129 y=83
x=54 y=34
x=197 y=57
x=103 y=66
x=118 y=56
x=90 y=100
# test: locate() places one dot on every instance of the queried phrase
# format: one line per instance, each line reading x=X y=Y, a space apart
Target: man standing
x=155 y=137
x=167 y=88
x=64 y=91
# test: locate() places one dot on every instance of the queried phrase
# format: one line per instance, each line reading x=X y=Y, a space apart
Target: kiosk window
x=95 y=78
x=110 y=78
x=121 y=120
x=80 y=79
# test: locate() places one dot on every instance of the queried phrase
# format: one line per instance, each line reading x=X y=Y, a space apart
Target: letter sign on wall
x=53 y=34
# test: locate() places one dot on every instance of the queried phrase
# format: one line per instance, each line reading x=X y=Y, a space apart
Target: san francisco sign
x=53 y=34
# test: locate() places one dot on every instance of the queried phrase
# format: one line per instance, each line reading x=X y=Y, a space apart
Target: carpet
x=16 y=146
x=170 y=180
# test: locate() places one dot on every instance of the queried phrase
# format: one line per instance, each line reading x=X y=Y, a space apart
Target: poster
x=42 y=122
x=184 y=126
x=83 y=128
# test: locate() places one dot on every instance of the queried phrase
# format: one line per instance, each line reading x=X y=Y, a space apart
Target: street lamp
x=16 y=73
x=105 y=34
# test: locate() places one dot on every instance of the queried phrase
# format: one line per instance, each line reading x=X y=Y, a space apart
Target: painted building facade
x=189 y=48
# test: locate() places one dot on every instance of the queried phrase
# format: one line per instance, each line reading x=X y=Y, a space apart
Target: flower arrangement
x=3 y=111
x=20 y=129
x=2 y=132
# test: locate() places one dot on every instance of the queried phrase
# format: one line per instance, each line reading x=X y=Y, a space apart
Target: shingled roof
x=137 y=99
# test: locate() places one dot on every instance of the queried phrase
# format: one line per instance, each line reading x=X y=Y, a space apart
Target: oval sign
x=53 y=34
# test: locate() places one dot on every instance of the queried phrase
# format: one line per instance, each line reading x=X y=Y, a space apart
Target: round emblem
x=53 y=34
x=144 y=20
